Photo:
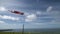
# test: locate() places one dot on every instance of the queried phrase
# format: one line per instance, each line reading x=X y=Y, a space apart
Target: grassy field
x=30 y=33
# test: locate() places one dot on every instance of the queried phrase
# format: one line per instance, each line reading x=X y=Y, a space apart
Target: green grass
x=30 y=33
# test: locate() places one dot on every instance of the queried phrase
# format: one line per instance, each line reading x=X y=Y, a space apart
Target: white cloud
x=49 y=8
x=4 y=25
x=9 y=17
x=26 y=14
x=2 y=9
x=33 y=23
x=38 y=12
x=10 y=26
x=57 y=21
x=31 y=17
x=2 y=22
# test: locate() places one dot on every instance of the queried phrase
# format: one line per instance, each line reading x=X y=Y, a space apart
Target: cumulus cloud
x=49 y=8
x=2 y=22
x=33 y=23
x=3 y=9
x=9 y=17
x=9 y=26
x=26 y=14
x=57 y=21
x=31 y=17
x=38 y=12
x=4 y=25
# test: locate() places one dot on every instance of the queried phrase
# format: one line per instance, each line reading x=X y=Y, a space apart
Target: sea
x=35 y=30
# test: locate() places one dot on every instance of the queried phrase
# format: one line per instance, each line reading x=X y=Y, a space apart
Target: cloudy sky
x=37 y=14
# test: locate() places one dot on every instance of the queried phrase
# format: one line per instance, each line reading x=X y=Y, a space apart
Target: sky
x=37 y=14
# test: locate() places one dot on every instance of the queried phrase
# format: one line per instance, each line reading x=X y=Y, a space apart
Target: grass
x=30 y=33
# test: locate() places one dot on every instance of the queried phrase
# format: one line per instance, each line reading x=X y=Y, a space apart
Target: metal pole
x=23 y=29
